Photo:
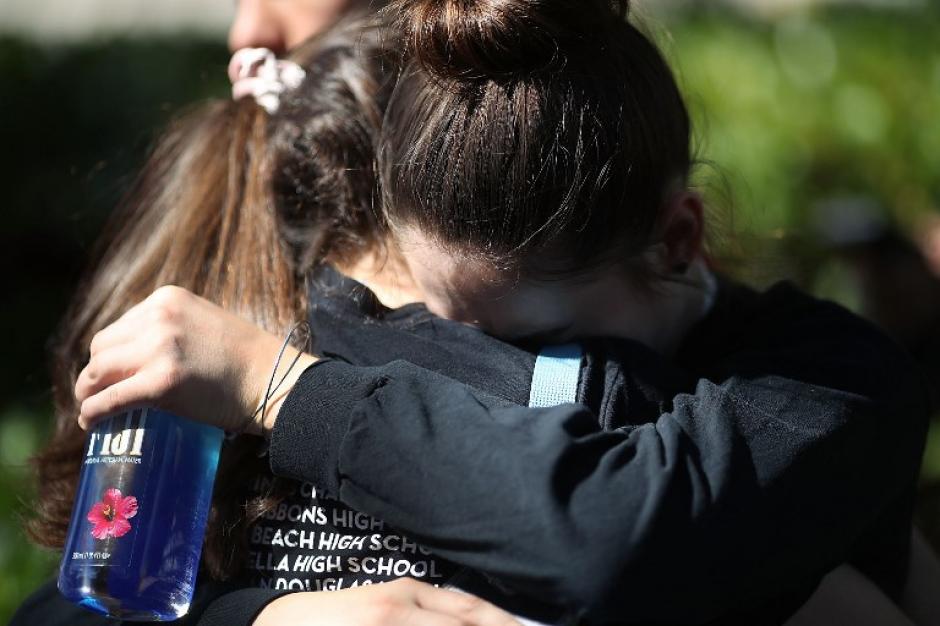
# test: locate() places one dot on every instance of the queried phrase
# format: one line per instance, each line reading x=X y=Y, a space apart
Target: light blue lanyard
x=555 y=377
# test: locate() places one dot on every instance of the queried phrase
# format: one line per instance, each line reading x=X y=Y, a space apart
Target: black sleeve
x=237 y=608
x=764 y=474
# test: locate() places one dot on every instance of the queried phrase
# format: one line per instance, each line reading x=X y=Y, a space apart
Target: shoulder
x=786 y=332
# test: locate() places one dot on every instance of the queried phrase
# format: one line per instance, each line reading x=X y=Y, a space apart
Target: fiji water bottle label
x=108 y=515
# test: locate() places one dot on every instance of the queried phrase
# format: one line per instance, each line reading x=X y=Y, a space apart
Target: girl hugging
x=449 y=189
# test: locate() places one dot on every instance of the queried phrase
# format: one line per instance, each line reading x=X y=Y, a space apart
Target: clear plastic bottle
x=139 y=517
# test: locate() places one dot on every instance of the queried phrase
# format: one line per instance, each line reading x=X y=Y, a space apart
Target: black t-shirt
x=784 y=439
x=721 y=485
x=309 y=542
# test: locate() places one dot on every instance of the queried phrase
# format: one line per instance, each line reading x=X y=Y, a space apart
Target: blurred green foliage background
x=800 y=121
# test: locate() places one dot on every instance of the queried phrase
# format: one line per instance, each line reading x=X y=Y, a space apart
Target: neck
x=385 y=273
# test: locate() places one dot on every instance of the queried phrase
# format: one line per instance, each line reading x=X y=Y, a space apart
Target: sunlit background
x=816 y=132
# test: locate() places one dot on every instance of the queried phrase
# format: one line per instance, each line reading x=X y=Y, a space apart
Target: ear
x=681 y=230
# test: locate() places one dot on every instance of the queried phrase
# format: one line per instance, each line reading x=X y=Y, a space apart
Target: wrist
x=300 y=361
x=259 y=356
x=268 y=371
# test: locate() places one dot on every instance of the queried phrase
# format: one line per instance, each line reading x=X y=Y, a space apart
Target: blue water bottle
x=133 y=545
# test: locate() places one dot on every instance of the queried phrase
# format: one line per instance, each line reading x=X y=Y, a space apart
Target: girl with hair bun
x=533 y=165
x=237 y=202
x=544 y=143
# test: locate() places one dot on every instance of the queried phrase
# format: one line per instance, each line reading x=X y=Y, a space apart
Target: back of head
x=236 y=205
x=537 y=134
x=323 y=140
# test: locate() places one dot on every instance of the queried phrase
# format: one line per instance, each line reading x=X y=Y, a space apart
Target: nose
x=256 y=26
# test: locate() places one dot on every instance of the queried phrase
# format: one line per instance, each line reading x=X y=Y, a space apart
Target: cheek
x=531 y=314
x=445 y=301
x=301 y=19
x=461 y=297
x=511 y=314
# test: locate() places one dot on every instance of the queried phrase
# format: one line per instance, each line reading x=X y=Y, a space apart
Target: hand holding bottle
x=185 y=355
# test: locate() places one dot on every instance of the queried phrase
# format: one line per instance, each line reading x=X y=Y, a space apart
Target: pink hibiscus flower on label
x=111 y=514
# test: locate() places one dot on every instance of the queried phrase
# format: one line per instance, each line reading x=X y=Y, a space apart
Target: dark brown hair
x=537 y=134
x=237 y=206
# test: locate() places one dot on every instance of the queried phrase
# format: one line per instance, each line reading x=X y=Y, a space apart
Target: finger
x=136 y=391
x=124 y=329
x=114 y=334
x=107 y=368
x=415 y=616
x=162 y=305
x=463 y=606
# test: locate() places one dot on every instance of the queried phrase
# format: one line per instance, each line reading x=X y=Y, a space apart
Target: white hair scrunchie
x=256 y=72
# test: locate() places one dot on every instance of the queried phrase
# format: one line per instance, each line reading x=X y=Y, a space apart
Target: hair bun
x=493 y=38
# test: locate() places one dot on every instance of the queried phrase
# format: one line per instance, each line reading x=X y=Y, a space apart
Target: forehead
x=501 y=303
